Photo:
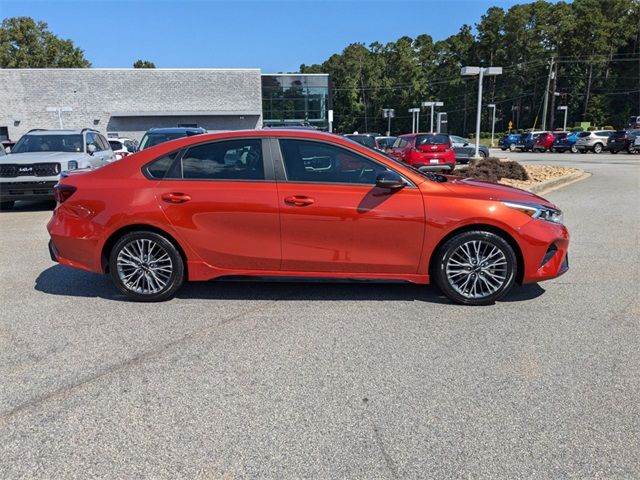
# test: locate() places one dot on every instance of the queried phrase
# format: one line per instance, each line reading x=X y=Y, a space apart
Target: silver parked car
x=595 y=141
x=35 y=163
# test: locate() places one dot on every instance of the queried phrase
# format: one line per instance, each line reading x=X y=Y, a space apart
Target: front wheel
x=475 y=268
x=146 y=267
x=631 y=150
x=512 y=147
x=574 y=149
x=597 y=148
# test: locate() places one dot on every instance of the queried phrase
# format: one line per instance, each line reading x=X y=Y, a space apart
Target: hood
x=470 y=188
x=41 y=157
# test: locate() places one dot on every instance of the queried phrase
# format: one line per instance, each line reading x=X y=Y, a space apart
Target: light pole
x=493 y=120
x=566 y=109
x=432 y=104
x=481 y=72
x=440 y=121
x=388 y=113
x=414 y=122
x=59 y=110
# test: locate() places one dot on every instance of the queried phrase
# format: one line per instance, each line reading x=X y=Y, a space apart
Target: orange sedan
x=302 y=205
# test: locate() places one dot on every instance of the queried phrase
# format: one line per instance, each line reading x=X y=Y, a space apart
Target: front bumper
x=545 y=250
x=13 y=191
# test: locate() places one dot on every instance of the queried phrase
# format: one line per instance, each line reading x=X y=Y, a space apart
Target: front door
x=334 y=218
x=221 y=198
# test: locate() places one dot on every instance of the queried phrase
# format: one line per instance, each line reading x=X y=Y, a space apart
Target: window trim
x=269 y=174
x=281 y=172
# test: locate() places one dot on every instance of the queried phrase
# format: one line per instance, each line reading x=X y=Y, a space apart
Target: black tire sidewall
x=178 y=274
x=448 y=248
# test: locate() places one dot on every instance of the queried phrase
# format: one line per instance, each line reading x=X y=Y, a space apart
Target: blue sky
x=272 y=35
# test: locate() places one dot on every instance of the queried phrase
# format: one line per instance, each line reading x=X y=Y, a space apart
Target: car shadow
x=26 y=206
x=66 y=281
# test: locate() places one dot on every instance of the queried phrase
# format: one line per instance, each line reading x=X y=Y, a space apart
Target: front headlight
x=72 y=165
x=537 y=211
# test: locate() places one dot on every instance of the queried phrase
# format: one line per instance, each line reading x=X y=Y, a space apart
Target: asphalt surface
x=251 y=380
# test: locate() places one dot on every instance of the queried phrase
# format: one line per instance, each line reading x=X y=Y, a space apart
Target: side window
x=92 y=140
x=307 y=161
x=226 y=160
x=103 y=143
x=160 y=167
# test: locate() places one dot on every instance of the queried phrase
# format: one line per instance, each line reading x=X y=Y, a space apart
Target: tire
x=453 y=277
x=631 y=150
x=161 y=278
x=482 y=154
x=584 y=150
x=512 y=147
x=559 y=150
x=573 y=149
x=503 y=149
x=597 y=148
x=614 y=151
x=6 y=205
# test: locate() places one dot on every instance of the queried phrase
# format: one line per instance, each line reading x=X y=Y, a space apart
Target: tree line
x=594 y=44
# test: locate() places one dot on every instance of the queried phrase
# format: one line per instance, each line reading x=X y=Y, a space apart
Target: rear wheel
x=482 y=154
x=631 y=149
x=475 y=268
x=574 y=149
x=6 y=205
x=146 y=267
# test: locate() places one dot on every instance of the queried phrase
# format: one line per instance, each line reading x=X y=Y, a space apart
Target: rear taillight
x=123 y=154
x=63 y=192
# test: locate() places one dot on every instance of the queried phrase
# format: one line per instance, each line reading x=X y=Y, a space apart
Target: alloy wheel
x=477 y=269
x=144 y=266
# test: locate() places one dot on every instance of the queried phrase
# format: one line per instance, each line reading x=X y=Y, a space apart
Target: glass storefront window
x=295 y=100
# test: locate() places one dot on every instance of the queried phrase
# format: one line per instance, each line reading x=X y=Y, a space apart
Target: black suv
x=623 y=140
x=155 y=136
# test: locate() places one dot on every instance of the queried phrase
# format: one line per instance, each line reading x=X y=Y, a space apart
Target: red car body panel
x=544 y=141
x=253 y=228
x=426 y=155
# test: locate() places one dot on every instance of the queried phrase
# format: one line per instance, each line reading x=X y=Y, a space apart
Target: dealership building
x=130 y=101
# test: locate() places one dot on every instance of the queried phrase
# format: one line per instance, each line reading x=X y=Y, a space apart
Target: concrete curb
x=548 y=186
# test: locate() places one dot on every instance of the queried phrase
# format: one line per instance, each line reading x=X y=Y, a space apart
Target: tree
x=144 y=64
x=25 y=43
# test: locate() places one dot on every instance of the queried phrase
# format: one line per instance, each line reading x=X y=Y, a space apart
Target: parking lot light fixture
x=481 y=72
x=566 y=109
x=432 y=105
x=493 y=121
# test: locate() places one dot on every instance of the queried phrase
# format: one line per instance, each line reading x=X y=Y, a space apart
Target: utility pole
x=552 y=110
x=546 y=96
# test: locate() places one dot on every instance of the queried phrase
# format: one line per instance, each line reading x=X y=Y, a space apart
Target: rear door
x=221 y=198
x=334 y=218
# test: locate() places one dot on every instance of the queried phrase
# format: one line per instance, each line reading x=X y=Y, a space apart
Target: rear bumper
x=13 y=191
x=435 y=167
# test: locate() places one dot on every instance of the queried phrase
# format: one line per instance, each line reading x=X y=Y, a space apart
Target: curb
x=548 y=186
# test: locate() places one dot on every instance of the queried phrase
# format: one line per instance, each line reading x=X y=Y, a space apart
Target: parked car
x=299 y=204
x=122 y=146
x=509 y=141
x=595 y=141
x=385 y=143
x=156 y=136
x=622 y=140
x=34 y=164
x=366 y=139
x=565 y=141
x=7 y=145
x=527 y=141
x=543 y=142
x=425 y=151
x=464 y=149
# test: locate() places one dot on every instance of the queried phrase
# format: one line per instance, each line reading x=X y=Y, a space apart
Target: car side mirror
x=7 y=150
x=466 y=144
x=91 y=149
x=390 y=180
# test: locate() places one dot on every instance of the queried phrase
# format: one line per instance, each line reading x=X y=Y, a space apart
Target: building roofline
x=125 y=69
x=296 y=74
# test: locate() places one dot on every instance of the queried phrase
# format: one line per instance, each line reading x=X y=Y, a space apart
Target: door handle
x=299 y=200
x=176 y=197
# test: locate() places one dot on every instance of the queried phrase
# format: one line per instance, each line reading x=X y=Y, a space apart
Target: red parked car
x=299 y=204
x=544 y=142
x=425 y=151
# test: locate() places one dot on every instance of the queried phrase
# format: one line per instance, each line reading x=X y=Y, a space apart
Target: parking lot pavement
x=250 y=380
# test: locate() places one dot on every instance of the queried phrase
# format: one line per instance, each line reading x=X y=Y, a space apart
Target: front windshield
x=153 y=139
x=48 y=143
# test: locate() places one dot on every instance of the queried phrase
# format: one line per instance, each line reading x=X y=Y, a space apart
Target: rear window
x=160 y=167
x=432 y=140
x=115 y=144
x=365 y=140
x=603 y=134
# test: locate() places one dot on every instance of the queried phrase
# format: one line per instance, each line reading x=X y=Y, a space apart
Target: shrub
x=494 y=169
x=591 y=129
x=608 y=127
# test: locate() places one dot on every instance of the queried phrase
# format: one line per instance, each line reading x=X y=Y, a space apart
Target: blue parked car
x=565 y=141
x=508 y=142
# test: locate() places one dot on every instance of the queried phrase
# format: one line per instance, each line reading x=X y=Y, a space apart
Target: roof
x=177 y=130
x=42 y=131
